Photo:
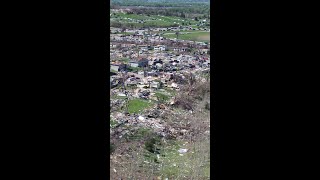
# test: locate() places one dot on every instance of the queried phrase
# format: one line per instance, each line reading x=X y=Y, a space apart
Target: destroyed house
x=139 y=63
x=157 y=61
x=159 y=48
x=118 y=67
x=112 y=73
x=143 y=47
x=143 y=62
x=134 y=64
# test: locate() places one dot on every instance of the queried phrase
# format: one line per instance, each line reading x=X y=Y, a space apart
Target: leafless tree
x=177 y=34
x=123 y=29
x=124 y=77
x=191 y=81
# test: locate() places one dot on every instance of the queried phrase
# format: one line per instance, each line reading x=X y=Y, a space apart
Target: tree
x=123 y=29
x=145 y=37
x=191 y=82
x=149 y=30
x=177 y=34
x=183 y=15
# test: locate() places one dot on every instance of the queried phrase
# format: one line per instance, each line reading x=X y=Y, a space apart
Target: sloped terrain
x=171 y=142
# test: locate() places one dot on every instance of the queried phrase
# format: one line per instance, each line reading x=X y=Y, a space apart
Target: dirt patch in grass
x=205 y=37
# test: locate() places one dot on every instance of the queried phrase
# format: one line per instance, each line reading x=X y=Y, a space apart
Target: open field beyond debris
x=192 y=36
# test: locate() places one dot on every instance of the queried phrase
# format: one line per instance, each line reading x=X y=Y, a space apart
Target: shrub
x=184 y=102
x=151 y=143
x=207 y=106
x=112 y=148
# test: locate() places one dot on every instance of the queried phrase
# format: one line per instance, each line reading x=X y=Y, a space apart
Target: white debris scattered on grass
x=181 y=151
x=141 y=118
x=174 y=85
x=121 y=94
x=185 y=142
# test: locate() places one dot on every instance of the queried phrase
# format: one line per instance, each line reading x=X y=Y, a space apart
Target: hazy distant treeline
x=182 y=8
x=160 y=3
x=181 y=12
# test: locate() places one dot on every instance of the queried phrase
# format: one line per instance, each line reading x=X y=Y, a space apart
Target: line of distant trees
x=186 y=12
x=187 y=9
x=124 y=25
x=161 y=3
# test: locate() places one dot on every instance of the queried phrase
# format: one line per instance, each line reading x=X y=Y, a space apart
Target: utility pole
x=144 y=72
x=127 y=102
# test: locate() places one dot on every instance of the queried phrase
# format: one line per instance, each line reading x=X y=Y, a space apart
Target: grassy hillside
x=143 y=154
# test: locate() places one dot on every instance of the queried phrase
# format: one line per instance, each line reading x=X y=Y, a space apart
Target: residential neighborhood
x=160 y=90
x=156 y=62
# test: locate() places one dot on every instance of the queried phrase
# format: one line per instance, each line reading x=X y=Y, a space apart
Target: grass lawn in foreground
x=194 y=164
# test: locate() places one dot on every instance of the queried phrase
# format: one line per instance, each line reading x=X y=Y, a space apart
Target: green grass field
x=195 y=163
x=162 y=96
x=126 y=33
x=154 y=21
x=192 y=36
x=181 y=31
x=113 y=122
x=124 y=60
x=138 y=105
